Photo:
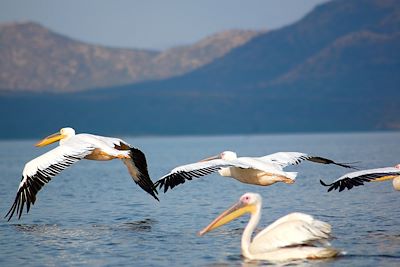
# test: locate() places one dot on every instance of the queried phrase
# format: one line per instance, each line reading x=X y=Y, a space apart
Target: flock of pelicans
x=294 y=236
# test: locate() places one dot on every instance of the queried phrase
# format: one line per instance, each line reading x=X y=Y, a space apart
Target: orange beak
x=50 y=139
x=230 y=214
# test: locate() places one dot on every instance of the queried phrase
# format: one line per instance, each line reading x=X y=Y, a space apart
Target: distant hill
x=337 y=69
x=326 y=40
x=182 y=59
x=37 y=59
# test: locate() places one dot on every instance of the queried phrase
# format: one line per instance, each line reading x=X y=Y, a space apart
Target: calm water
x=94 y=215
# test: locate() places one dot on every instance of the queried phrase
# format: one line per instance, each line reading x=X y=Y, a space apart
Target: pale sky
x=153 y=24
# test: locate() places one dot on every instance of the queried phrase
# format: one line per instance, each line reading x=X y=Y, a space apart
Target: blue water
x=92 y=214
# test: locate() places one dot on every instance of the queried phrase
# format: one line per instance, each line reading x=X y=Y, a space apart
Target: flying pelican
x=74 y=147
x=294 y=236
x=357 y=178
x=263 y=171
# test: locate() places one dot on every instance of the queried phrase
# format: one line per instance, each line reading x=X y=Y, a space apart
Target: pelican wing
x=137 y=164
x=285 y=159
x=116 y=143
x=259 y=164
x=358 y=178
x=186 y=172
x=137 y=168
x=40 y=170
x=291 y=230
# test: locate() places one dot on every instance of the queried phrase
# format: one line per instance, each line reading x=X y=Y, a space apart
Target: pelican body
x=74 y=147
x=262 y=171
x=358 y=178
x=292 y=237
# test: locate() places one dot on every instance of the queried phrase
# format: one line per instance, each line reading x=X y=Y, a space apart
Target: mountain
x=337 y=69
x=182 y=59
x=266 y=59
x=37 y=59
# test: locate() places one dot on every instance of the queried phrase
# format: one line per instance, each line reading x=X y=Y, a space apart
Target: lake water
x=92 y=214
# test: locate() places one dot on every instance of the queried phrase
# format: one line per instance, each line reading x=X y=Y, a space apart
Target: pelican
x=74 y=147
x=357 y=178
x=292 y=237
x=263 y=171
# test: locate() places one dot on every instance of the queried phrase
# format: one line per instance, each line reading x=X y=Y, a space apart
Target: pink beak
x=211 y=158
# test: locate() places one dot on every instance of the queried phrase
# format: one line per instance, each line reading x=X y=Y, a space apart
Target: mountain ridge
x=38 y=59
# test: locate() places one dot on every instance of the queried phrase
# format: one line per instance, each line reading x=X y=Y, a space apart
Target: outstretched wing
x=137 y=164
x=291 y=230
x=137 y=168
x=358 y=178
x=116 y=143
x=284 y=159
x=186 y=172
x=40 y=170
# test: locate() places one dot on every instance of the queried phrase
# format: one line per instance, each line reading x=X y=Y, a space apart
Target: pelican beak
x=50 y=139
x=211 y=158
x=384 y=178
x=230 y=214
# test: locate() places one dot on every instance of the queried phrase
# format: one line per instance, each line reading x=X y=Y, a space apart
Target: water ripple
x=70 y=225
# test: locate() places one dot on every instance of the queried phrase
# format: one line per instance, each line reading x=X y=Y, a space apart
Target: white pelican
x=263 y=171
x=294 y=236
x=357 y=178
x=74 y=147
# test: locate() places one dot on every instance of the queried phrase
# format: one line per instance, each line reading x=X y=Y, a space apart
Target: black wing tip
x=160 y=184
x=174 y=179
x=147 y=185
x=155 y=196
x=171 y=181
x=348 y=165
x=139 y=160
x=323 y=183
x=153 y=192
x=343 y=184
x=16 y=208
x=12 y=211
x=168 y=184
x=331 y=186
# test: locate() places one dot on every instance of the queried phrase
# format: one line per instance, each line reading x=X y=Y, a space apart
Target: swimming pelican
x=74 y=147
x=372 y=175
x=263 y=171
x=294 y=236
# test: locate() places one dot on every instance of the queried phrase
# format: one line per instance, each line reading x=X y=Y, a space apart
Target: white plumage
x=74 y=147
x=263 y=171
x=61 y=156
x=294 y=236
x=299 y=228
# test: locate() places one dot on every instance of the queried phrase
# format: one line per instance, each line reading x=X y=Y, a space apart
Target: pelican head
x=248 y=203
x=227 y=155
x=64 y=133
x=397 y=166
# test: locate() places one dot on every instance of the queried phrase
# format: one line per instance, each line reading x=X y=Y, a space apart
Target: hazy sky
x=153 y=24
